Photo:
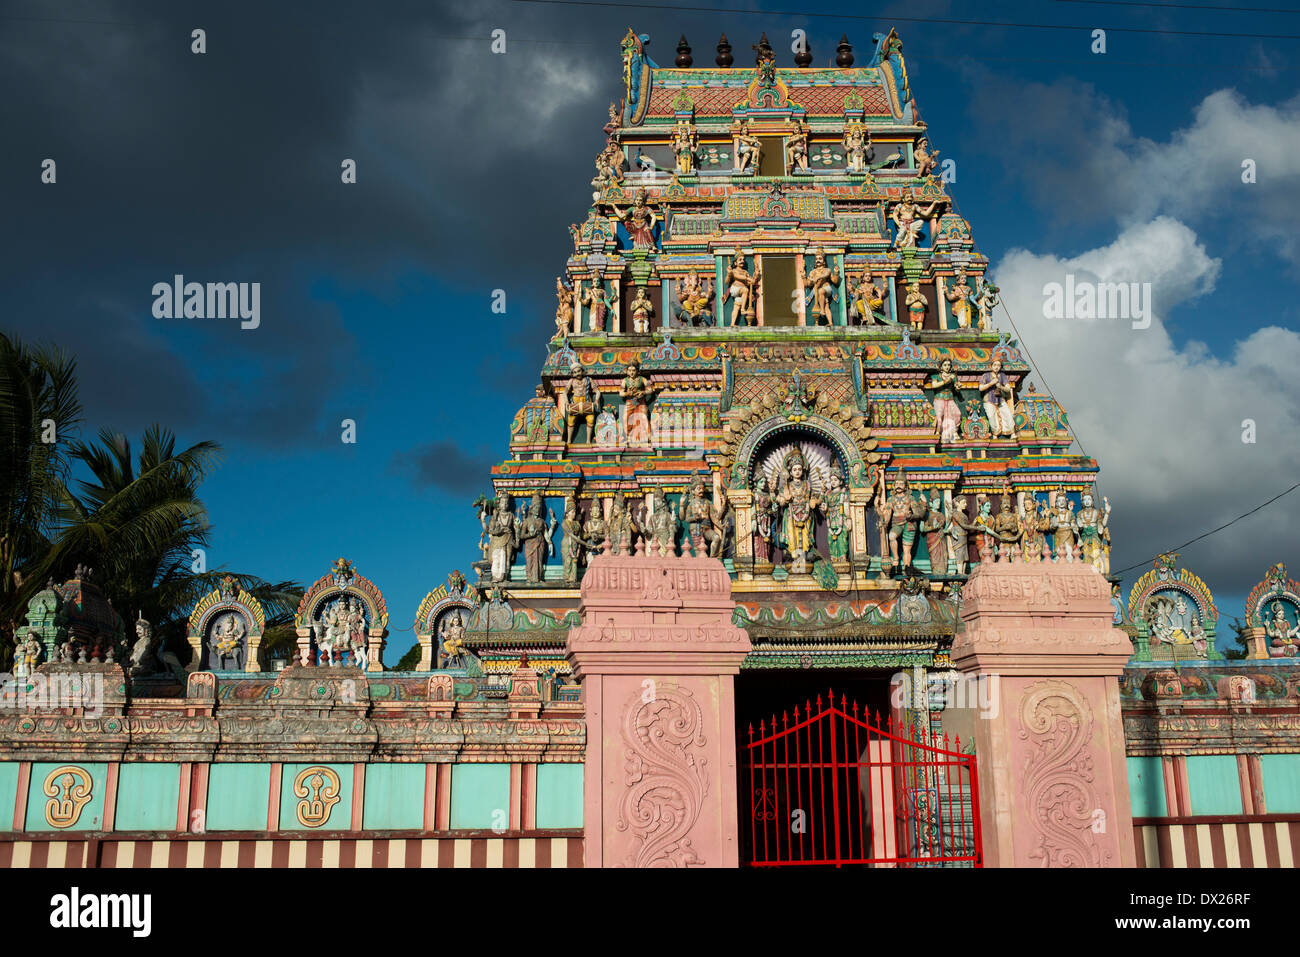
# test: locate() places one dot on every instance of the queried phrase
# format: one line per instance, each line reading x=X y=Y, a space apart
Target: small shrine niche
x=1273 y=616
x=225 y=630
x=342 y=620
x=442 y=621
x=1172 y=614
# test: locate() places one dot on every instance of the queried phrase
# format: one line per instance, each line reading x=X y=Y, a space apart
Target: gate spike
x=751 y=731
x=956 y=745
x=760 y=726
x=785 y=719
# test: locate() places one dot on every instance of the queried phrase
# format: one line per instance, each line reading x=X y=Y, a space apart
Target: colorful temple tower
x=776 y=343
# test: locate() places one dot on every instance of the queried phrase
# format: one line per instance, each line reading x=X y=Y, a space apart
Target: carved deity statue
x=927 y=159
x=595 y=531
x=799 y=504
x=857 y=146
x=694 y=296
x=985 y=302
x=1284 y=637
x=868 y=300
x=227 y=640
x=503 y=537
x=796 y=151
x=597 y=300
x=451 y=636
x=934 y=526
x=958 y=530
x=947 y=402
x=621 y=527
x=637 y=393
x=723 y=521
x=563 y=309
x=916 y=303
x=764 y=510
x=27 y=651
x=571 y=549
x=660 y=525
x=696 y=516
x=897 y=513
x=959 y=294
x=821 y=281
x=685 y=142
x=999 y=400
x=909 y=217
x=1063 y=527
x=740 y=289
x=642 y=311
x=640 y=220
x=1093 y=527
x=580 y=402
x=1007 y=524
x=839 y=521
x=532 y=539
x=1036 y=521
x=749 y=149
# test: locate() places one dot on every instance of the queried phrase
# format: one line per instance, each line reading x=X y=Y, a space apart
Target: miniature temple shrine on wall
x=776 y=345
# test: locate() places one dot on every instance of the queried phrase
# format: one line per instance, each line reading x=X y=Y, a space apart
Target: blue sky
x=224 y=166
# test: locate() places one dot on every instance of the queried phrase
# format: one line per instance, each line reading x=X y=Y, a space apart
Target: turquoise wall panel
x=559 y=795
x=147 y=797
x=8 y=793
x=238 y=795
x=480 y=796
x=91 y=815
x=1214 y=784
x=394 y=797
x=1281 y=775
x=337 y=814
x=1146 y=787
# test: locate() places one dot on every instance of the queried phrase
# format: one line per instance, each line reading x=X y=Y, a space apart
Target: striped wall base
x=274 y=851
x=1271 y=840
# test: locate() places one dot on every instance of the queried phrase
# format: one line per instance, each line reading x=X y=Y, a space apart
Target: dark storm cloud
x=443 y=465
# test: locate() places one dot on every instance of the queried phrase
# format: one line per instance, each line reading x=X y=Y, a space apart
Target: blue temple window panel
x=480 y=797
x=1146 y=787
x=238 y=797
x=559 y=796
x=147 y=797
x=1280 y=775
x=1214 y=784
x=394 y=797
x=8 y=793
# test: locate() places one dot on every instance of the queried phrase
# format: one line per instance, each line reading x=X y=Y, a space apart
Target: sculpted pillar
x=1053 y=784
x=656 y=654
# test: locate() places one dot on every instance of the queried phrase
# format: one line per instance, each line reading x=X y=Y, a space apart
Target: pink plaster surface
x=1053 y=785
x=656 y=655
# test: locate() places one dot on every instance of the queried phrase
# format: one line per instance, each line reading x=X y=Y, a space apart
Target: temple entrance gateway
x=829 y=782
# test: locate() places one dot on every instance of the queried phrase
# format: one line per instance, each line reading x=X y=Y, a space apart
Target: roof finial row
x=803 y=57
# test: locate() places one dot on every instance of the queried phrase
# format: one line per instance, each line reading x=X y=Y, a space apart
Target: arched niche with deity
x=225 y=630
x=342 y=619
x=1172 y=614
x=442 y=621
x=1273 y=616
x=792 y=428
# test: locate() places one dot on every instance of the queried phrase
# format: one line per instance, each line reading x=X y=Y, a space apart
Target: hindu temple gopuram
x=785 y=500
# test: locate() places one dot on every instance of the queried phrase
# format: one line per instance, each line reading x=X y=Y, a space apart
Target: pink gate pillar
x=1053 y=786
x=656 y=654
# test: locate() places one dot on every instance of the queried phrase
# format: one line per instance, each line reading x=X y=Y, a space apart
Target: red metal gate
x=829 y=787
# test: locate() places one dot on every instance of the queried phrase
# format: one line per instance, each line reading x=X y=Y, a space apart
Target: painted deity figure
x=916 y=303
x=985 y=537
x=764 y=509
x=898 y=513
x=796 y=152
x=1093 y=526
x=580 y=403
x=1006 y=525
x=909 y=217
x=563 y=309
x=867 y=300
x=227 y=640
x=958 y=530
x=1036 y=520
x=595 y=531
x=451 y=635
x=1196 y=633
x=799 y=503
x=358 y=642
x=985 y=302
x=642 y=310
x=959 y=294
x=661 y=525
x=640 y=220
x=740 y=289
x=571 y=544
x=1284 y=638
x=857 y=147
x=597 y=301
x=839 y=520
x=694 y=296
x=947 y=402
x=532 y=539
x=822 y=280
x=637 y=394
x=927 y=159
x=27 y=651
x=685 y=142
x=722 y=521
x=749 y=149
x=935 y=528
x=503 y=538
x=999 y=400
x=1063 y=527
x=699 y=524
x=621 y=526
